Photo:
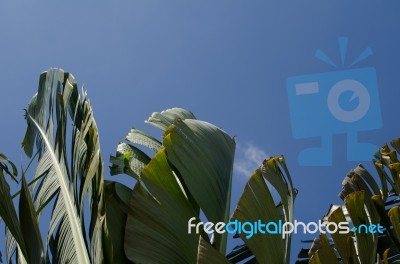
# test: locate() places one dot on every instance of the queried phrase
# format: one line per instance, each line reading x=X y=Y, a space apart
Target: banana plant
x=365 y=203
x=63 y=135
x=24 y=229
x=187 y=174
x=190 y=177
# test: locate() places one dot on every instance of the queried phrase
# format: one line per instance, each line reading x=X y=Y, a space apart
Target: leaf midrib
x=79 y=243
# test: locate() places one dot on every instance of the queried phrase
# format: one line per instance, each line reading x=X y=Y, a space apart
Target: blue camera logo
x=337 y=102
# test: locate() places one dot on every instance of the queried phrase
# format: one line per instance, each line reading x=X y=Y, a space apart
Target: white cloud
x=248 y=158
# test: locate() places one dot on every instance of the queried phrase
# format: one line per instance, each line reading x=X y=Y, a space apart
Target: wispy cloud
x=248 y=158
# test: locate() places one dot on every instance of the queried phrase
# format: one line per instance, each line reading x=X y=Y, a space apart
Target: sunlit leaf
x=156 y=229
x=67 y=174
x=165 y=118
x=256 y=204
x=203 y=154
x=136 y=136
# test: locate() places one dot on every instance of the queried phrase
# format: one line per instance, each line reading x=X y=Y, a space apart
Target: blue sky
x=226 y=61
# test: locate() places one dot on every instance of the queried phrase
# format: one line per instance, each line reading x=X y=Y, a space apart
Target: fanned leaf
x=203 y=154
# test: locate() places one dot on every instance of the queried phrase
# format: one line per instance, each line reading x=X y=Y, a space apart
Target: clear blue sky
x=226 y=61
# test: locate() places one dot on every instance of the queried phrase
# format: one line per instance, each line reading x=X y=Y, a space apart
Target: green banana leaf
x=156 y=229
x=367 y=202
x=66 y=176
x=117 y=207
x=30 y=226
x=10 y=217
x=203 y=155
x=257 y=204
x=194 y=162
x=22 y=230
